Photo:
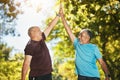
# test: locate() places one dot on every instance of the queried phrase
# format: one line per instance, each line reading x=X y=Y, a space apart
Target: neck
x=36 y=38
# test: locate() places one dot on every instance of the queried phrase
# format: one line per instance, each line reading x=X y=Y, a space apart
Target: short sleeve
x=97 y=53
x=28 y=50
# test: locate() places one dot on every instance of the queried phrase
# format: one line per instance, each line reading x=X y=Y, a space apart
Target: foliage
x=8 y=15
x=10 y=68
x=103 y=18
x=4 y=52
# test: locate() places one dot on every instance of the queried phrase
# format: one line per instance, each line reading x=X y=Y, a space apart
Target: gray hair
x=88 y=32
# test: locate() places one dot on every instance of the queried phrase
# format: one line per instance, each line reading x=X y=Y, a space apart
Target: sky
x=35 y=14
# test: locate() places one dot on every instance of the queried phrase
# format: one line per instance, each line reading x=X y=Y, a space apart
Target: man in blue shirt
x=86 y=54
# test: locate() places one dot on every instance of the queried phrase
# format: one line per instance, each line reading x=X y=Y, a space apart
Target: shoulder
x=29 y=48
x=76 y=40
x=29 y=45
x=93 y=45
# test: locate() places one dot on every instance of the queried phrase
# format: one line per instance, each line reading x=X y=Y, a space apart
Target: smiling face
x=84 y=37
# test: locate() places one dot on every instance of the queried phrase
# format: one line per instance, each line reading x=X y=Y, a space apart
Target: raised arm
x=51 y=25
x=67 y=27
x=25 y=67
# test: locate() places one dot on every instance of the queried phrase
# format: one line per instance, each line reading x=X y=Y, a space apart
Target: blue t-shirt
x=86 y=57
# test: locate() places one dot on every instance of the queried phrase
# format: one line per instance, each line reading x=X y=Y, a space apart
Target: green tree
x=8 y=15
x=10 y=68
x=103 y=18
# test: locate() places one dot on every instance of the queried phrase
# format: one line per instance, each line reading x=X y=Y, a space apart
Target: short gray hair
x=88 y=32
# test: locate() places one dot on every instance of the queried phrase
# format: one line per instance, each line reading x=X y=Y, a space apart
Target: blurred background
x=16 y=16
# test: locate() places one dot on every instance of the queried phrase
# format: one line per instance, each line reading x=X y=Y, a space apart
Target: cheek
x=37 y=33
x=85 y=39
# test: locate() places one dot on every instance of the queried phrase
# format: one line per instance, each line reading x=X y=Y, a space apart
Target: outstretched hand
x=61 y=10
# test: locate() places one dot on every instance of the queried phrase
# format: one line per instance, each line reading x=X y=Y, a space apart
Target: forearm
x=67 y=27
x=25 y=67
x=24 y=72
x=51 y=25
x=54 y=21
x=104 y=67
x=65 y=24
